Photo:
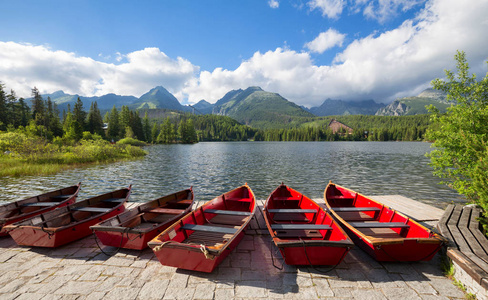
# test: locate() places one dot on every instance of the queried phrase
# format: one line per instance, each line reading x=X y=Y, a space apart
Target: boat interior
x=215 y=223
x=370 y=217
x=153 y=213
x=79 y=211
x=293 y=216
x=36 y=203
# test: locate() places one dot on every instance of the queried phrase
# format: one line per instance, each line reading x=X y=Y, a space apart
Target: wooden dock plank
x=470 y=238
x=442 y=225
x=456 y=233
x=474 y=226
x=412 y=208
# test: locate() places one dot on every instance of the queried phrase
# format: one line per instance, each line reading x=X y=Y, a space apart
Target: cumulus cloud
x=395 y=63
x=330 y=8
x=326 y=40
x=380 y=10
x=25 y=66
x=383 y=10
x=382 y=66
x=273 y=3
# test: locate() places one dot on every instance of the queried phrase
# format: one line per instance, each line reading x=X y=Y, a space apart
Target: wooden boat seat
x=355 y=209
x=290 y=210
x=238 y=199
x=227 y=212
x=339 y=197
x=207 y=228
x=285 y=199
x=186 y=201
x=300 y=227
x=355 y=216
x=233 y=220
x=61 y=196
x=379 y=225
x=41 y=204
x=162 y=210
x=92 y=209
x=114 y=200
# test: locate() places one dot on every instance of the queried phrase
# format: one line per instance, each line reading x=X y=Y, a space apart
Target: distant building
x=338 y=127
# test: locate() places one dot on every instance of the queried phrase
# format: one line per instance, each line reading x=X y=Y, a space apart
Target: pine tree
x=154 y=133
x=3 y=109
x=38 y=108
x=79 y=114
x=192 y=134
x=113 y=130
x=24 y=113
x=135 y=123
x=53 y=123
x=124 y=119
x=146 y=128
x=72 y=129
x=94 y=120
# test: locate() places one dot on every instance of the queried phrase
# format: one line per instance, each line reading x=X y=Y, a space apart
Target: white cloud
x=381 y=66
x=330 y=8
x=395 y=63
x=326 y=40
x=273 y=3
x=383 y=10
x=25 y=66
x=380 y=10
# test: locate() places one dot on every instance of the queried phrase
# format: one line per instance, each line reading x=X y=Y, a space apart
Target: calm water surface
x=371 y=168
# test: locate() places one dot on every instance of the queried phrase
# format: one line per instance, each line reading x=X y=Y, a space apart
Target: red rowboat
x=69 y=223
x=204 y=237
x=381 y=231
x=134 y=228
x=303 y=232
x=23 y=209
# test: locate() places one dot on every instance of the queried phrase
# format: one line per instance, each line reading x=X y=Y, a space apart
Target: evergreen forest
x=42 y=118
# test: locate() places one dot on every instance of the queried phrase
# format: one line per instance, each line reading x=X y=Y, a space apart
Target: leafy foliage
x=21 y=154
x=461 y=134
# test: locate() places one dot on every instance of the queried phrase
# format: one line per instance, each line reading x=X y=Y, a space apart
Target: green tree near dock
x=461 y=134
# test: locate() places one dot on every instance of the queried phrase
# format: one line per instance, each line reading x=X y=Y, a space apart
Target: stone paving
x=81 y=271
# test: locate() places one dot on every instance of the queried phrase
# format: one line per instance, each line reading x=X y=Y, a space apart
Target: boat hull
x=37 y=237
x=303 y=231
x=70 y=223
x=72 y=191
x=134 y=228
x=192 y=258
x=327 y=255
x=202 y=239
x=382 y=232
x=408 y=250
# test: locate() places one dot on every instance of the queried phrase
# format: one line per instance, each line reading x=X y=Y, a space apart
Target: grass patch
x=23 y=155
x=131 y=141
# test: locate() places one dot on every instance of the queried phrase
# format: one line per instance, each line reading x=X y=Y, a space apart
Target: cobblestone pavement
x=81 y=271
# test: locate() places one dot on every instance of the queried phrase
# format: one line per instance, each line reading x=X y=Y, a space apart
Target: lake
x=371 y=168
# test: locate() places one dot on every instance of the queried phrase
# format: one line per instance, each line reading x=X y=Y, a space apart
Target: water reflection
x=372 y=168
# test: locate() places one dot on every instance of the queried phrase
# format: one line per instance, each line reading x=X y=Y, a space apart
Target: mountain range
x=256 y=107
x=415 y=105
x=338 y=107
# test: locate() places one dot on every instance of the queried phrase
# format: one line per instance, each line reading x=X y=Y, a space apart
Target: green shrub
x=22 y=154
x=461 y=134
x=132 y=141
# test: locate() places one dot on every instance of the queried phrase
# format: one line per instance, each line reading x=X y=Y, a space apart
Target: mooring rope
x=126 y=230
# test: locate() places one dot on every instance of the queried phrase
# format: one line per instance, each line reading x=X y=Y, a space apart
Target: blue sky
x=307 y=50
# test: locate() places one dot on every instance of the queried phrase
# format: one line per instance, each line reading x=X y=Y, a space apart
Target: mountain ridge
x=257 y=107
